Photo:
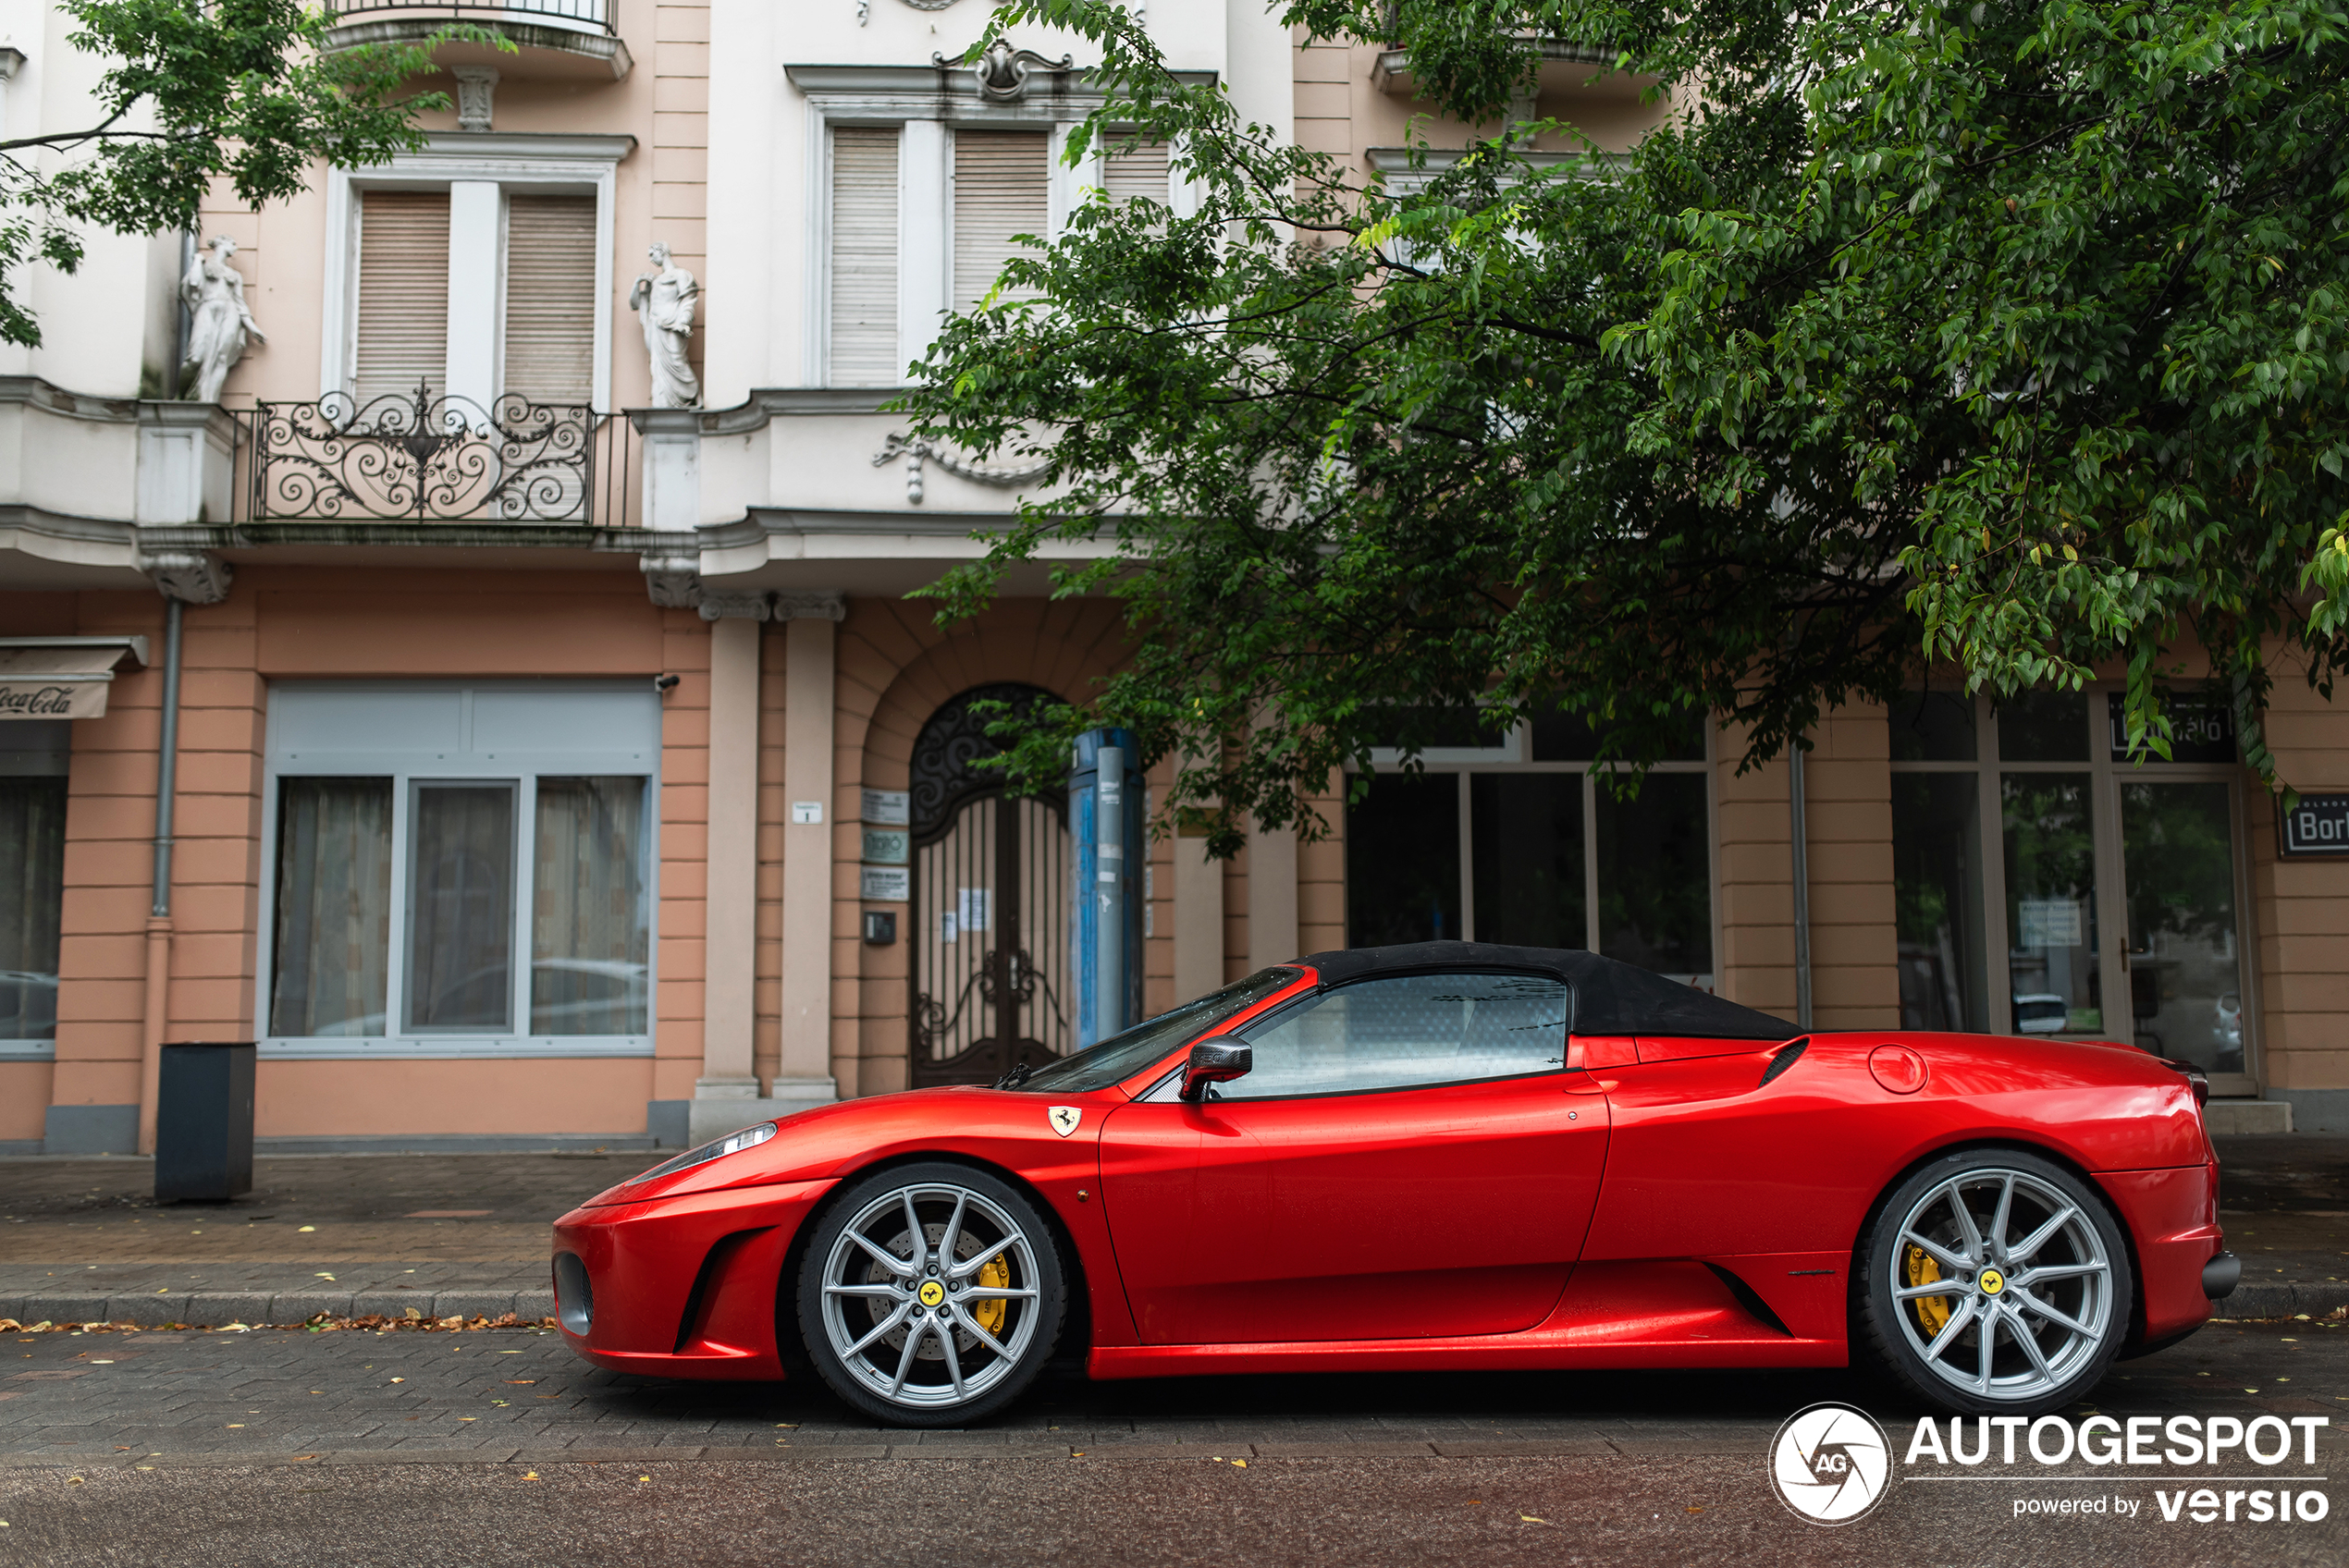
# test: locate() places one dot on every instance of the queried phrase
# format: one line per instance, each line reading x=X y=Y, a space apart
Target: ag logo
x=1064 y=1119
x=1831 y=1464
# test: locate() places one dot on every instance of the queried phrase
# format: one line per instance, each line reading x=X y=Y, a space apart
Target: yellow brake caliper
x=994 y=1275
x=1933 y=1312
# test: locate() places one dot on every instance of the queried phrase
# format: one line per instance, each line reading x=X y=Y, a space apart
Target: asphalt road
x=493 y=1448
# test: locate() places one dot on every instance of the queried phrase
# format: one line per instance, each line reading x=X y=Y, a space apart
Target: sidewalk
x=83 y=1240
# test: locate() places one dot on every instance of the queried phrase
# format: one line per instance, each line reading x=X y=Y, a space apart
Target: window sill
x=448 y=1047
x=27 y=1051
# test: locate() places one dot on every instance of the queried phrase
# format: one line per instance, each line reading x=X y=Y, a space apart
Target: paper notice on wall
x=947 y=930
x=887 y=808
x=2049 y=922
x=973 y=909
x=885 y=884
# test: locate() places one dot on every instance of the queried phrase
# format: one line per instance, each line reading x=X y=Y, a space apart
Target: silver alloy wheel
x=931 y=1295
x=2002 y=1284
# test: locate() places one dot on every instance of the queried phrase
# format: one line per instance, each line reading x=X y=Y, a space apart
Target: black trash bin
x=203 y=1122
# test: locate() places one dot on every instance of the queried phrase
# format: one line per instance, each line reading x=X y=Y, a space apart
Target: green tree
x=2005 y=333
x=199 y=92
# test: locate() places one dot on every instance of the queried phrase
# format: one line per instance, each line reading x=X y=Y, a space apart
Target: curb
x=2258 y=1301
x=216 y=1309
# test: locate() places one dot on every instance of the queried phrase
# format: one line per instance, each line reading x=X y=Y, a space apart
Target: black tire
x=1002 y=1290
x=2073 y=1293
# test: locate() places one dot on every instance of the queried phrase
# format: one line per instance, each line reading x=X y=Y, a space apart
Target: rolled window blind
x=864 y=258
x=1002 y=188
x=1139 y=170
x=403 y=293
x=550 y=297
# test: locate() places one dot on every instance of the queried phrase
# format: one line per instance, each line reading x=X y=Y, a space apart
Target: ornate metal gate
x=992 y=881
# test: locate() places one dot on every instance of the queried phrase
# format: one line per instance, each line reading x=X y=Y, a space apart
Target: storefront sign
x=887 y=808
x=2317 y=825
x=53 y=678
x=886 y=846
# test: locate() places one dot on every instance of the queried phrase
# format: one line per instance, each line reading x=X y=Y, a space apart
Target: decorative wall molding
x=736 y=605
x=1001 y=72
x=916 y=450
x=195 y=577
x=477 y=94
x=821 y=604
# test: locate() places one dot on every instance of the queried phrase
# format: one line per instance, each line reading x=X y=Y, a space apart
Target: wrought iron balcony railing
x=427 y=456
x=597 y=15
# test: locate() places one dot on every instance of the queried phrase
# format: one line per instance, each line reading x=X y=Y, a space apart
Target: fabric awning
x=52 y=678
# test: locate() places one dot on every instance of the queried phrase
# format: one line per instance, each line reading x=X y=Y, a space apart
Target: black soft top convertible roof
x=1610 y=997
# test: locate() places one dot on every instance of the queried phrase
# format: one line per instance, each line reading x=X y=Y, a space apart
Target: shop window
x=2022 y=939
x=1509 y=836
x=33 y=864
x=427 y=839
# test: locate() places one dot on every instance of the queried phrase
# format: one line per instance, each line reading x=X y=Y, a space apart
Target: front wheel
x=1996 y=1283
x=931 y=1295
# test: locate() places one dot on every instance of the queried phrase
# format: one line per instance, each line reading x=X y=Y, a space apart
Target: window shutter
x=1001 y=187
x=403 y=294
x=550 y=297
x=1139 y=170
x=864 y=258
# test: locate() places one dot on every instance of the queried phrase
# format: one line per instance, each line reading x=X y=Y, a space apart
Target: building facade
x=551 y=763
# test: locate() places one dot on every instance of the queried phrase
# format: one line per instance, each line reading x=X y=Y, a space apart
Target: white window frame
x=926 y=106
x=2106 y=777
x=407 y=770
x=1511 y=753
x=536 y=164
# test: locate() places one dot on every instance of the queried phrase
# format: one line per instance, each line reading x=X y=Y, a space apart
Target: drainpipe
x=1801 y=834
x=159 y=914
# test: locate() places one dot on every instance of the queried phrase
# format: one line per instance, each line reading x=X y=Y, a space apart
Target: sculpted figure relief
x=220 y=323
x=663 y=301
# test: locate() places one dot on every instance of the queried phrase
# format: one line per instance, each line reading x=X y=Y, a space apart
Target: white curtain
x=590 y=928
x=460 y=924
x=334 y=906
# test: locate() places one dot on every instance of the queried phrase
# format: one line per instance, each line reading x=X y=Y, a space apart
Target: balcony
x=553 y=39
x=434 y=460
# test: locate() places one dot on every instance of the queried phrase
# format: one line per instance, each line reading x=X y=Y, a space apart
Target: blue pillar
x=1107 y=825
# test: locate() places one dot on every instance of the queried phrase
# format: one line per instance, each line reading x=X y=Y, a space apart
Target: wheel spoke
x=2030 y=1344
x=2060 y=1271
x=1986 y=1334
x=1940 y=1254
x=2045 y=1233
x=913 y=1231
x=2051 y=1314
x=997 y=1292
x=953 y=1362
x=1002 y=1350
x=1966 y=1224
x=881 y=1254
x=894 y=1319
x=953 y=1230
x=885 y=1291
x=1937 y=1288
x=1966 y=1313
x=1998 y=1218
x=906 y=1360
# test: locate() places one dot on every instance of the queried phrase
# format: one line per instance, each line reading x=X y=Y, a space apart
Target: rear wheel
x=931 y=1295
x=1996 y=1283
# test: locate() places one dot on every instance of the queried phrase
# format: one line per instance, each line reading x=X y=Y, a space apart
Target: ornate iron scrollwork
x=946 y=755
x=425 y=458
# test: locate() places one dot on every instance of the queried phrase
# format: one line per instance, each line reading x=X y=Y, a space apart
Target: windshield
x=1121 y=1056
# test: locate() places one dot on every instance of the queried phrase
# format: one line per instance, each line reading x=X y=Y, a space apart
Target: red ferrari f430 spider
x=1441 y=1155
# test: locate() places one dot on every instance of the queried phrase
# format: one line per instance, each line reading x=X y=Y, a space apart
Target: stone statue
x=218 y=322
x=664 y=301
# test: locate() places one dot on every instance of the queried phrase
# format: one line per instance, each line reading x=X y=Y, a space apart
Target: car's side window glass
x=1407 y=1031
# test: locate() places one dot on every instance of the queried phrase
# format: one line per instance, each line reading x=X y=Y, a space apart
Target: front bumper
x=681 y=1287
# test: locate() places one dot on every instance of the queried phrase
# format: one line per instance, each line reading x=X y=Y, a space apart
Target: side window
x=1405 y=1032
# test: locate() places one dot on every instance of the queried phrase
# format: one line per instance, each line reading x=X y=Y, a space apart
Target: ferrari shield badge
x=1064 y=1118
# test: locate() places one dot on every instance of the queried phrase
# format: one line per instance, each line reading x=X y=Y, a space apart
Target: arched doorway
x=991 y=885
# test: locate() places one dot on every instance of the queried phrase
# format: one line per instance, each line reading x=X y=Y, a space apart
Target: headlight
x=732 y=1143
